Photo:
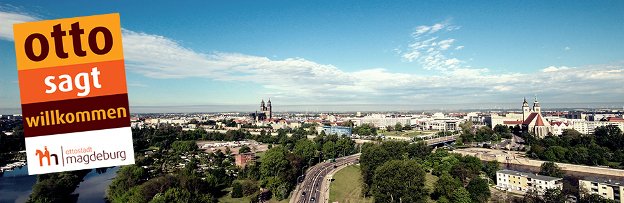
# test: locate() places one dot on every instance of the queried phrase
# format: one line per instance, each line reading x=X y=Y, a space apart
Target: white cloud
x=10 y=18
x=502 y=88
x=555 y=69
x=300 y=80
x=136 y=84
x=567 y=48
x=422 y=29
x=429 y=51
x=445 y=44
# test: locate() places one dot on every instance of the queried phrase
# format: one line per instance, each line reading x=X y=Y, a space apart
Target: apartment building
x=516 y=181
x=607 y=188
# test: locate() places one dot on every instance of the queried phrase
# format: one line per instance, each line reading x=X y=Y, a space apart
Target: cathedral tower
x=525 y=109
x=536 y=106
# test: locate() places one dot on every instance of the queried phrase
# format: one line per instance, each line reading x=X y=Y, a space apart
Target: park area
x=347 y=186
x=228 y=198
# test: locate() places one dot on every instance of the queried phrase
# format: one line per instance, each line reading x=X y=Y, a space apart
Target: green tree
x=305 y=149
x=329 y=150
x=278 y=186
x=274 y=162
x=398 y=126
x=554 y=195
x=609 y=136
x=532 y=196
x=237 y=189
x=446 y=185
x=57 y=187
x=399 y=181
x=443 y=200
x=345 y=146
x=177 y=195
x=467 y=168
x=594 y=198
x=365 y=130
x=460 y=195
x=479 y=190
x=127 y=177
x=556 y=153
x=418 y=150
x=571 y=133
x=503 y=131
x=490 y=168
x=184 y=146
x=467 y=130
x=244 y=149
x=249 y=187
x=551 y=169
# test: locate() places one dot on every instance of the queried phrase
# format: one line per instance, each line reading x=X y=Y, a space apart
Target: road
x=312 y=183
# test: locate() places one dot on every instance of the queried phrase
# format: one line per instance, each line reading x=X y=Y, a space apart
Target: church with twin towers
x=265 y=113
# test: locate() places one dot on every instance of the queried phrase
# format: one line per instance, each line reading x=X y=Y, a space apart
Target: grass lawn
x=260 y=154
x=347 y=186
x=430 y=181
x=228 y=199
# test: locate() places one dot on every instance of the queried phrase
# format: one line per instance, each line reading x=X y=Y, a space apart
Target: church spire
x=525 y=103
x=536 y=103
x=536 y=106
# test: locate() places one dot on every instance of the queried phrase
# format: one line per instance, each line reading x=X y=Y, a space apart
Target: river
x=16 y=185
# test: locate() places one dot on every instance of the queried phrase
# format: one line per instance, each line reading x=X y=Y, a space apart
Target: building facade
x=609 y=189
x=523 y=182
x=339 y=130
x=244 y=159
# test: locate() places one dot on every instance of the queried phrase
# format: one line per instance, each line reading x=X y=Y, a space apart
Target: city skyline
x=432 y=54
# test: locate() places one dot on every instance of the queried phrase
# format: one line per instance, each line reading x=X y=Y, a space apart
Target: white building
x=522 y=182
x=381 y=121
x=608 y=189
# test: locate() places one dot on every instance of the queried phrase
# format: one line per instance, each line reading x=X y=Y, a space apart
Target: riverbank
x=16 y=185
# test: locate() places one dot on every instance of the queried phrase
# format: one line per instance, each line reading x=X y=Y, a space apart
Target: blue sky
x=352 y=52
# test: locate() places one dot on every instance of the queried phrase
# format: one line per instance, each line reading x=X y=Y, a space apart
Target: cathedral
x=265 y=113
x=533 y=121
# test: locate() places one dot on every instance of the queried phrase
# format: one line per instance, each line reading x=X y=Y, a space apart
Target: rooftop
x=618 y=182
x=529 y=175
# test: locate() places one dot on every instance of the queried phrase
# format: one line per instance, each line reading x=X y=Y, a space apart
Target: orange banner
x=68 y=41
x=72 y=81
